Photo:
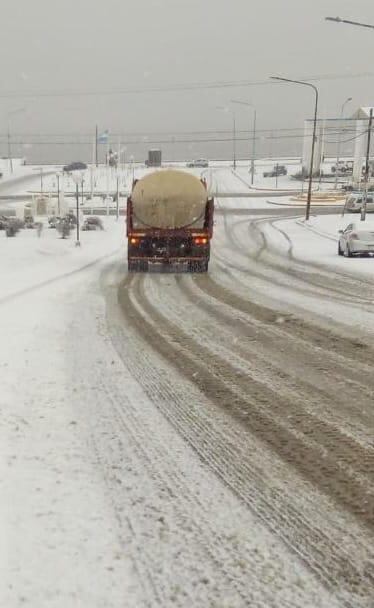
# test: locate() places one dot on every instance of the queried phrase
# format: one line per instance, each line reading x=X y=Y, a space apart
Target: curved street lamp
x=307 y=84
x=348 y=22
x=340 y=140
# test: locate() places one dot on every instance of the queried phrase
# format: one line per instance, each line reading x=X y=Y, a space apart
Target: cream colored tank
x=169 y=199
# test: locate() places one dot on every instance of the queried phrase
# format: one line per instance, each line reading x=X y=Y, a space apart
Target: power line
x=152 y=142
x=172 y=88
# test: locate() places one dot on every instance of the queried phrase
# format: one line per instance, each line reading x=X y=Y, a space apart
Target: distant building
x=356 y=127
x=361 y=117
x=154 y=158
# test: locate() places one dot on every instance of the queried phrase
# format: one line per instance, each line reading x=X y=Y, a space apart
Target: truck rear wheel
x=198 y=266
x=137 y=265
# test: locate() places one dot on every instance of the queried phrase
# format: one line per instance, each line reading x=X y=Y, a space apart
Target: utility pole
x=367 y=168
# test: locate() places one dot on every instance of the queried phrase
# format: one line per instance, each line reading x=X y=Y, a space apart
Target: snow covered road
x=178 y=440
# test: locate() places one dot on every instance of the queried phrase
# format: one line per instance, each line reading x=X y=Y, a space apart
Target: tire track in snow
x=181 y=352
x=177 y=406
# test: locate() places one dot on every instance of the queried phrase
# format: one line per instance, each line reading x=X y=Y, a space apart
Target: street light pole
x=117 y=198
x=78 y=178
x=253 y=146
x=234 y=137
x=9 y=149
x=226 y=109
x=12 y=113
x=250 y=105
x=339 y=141
x=307 y=84
x=77 y=243
x=367 y=168
x=58 y=194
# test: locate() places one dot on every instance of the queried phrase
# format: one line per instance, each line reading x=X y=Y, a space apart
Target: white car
x=354 y=202
x=357 y=239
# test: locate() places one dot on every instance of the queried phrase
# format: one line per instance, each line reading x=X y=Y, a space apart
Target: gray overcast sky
x=113 y=44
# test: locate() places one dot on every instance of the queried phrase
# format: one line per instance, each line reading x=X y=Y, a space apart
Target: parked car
x=3 y=222
x=343 y=168
x=29 y=221
x=63 y=227
x=12 y=226
x=357 y=239
x=276 y=171
x=71 y=218
x=92 y=223
x=199 y=162
x=354 y=202
x=53 y=221
x=76 y=166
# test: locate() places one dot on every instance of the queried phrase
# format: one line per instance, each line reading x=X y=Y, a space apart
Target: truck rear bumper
x=174 y=264
x=171 y=260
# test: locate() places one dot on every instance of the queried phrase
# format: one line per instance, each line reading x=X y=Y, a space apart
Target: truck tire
x=132 y=266
x=198 y=266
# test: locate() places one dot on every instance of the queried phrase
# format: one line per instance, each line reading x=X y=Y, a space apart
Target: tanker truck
x=169 y=222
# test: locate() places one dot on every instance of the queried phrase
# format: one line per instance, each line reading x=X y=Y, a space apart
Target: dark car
x=3 y=222
x=93 y=223
x=76 y=166
x=13 y=225
x=199 y=162
x=53 y=221
x=276 y=171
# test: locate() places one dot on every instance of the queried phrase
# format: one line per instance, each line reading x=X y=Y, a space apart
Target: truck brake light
x=200 y=240
x=134 y=241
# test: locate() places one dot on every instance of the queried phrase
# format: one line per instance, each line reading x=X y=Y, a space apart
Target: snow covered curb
x=316 y=244
x=264 y=190
x=285 y=203
x=308 y=226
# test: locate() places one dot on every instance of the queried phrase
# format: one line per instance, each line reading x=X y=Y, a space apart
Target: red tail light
x=134 y=241
x=200 y=240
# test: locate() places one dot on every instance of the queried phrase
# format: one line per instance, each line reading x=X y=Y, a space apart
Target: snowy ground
x=316 y=242
x=184 y=441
